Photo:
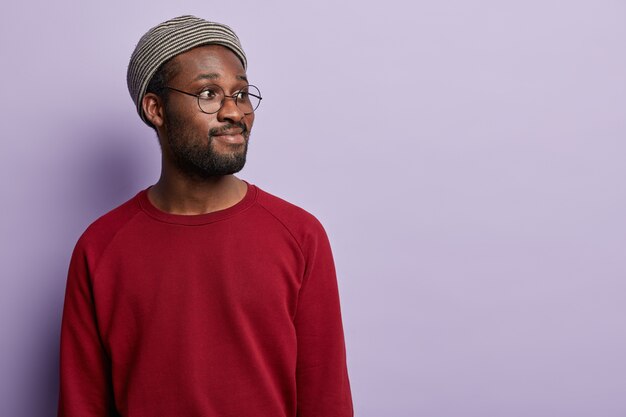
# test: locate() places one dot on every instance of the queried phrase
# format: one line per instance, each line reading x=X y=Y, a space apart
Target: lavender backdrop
x=466 y=158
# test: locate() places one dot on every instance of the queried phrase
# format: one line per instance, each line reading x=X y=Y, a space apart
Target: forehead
x=208 y=62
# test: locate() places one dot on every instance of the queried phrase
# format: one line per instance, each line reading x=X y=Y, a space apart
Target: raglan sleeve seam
x=104 y=250
x=287 y=229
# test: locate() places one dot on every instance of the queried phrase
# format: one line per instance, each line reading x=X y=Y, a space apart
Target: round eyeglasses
x=212 y=97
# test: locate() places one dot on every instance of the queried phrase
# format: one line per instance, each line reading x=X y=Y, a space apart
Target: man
x=202 y=296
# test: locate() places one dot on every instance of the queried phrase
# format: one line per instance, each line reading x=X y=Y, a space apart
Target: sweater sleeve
x=85 y=382
x=323 y=387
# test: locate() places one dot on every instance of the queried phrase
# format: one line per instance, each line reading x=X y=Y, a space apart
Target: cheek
x=193 y=127
x=200 y=122
x=175 y=116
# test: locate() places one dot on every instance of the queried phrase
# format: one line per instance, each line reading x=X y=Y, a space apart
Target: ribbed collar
x=197 y=219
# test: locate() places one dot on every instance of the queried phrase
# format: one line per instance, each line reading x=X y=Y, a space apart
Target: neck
x=181 y=195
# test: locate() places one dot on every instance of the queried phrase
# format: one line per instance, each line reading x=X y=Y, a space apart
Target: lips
x=234 y=136
x=232 y=132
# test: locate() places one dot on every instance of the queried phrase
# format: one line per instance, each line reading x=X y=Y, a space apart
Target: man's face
x=206 y=145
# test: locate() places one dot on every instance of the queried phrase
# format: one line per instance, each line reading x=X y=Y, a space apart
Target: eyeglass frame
x=232 y=96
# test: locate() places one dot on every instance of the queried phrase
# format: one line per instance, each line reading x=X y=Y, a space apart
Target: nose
x=230 y=112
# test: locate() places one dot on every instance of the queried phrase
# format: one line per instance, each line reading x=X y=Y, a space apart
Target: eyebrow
x=214 y=76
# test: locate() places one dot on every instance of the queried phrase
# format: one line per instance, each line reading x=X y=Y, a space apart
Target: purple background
x=466 y=158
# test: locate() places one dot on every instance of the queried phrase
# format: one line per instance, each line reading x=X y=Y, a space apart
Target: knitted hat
x=171 y=38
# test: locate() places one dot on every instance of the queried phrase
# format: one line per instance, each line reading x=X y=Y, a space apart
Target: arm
x=85 y=389
x=323 y=387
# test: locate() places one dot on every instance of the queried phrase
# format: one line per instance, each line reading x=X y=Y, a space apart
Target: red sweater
x=234 y=313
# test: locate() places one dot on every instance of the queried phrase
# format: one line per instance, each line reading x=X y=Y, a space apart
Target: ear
x=153 y=109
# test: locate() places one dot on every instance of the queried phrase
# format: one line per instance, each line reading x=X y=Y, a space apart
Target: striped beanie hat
x=168 y=39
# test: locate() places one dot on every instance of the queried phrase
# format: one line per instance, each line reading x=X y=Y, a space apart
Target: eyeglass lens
x=211 y=99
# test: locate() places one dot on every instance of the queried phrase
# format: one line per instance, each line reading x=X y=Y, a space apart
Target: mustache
x=230 y=126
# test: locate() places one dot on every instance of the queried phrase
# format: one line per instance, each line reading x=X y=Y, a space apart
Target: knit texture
x=225 y=314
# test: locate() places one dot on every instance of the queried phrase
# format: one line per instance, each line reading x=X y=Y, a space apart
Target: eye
x=242 y=95
x=208 y=93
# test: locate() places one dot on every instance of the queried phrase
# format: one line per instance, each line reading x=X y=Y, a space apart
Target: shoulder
x=303 y=226
x=102 y=231
x=292 y=215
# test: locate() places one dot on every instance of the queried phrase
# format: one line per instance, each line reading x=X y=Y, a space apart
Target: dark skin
x=177 y=192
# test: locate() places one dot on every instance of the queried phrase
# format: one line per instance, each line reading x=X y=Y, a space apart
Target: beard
x=197 y=157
